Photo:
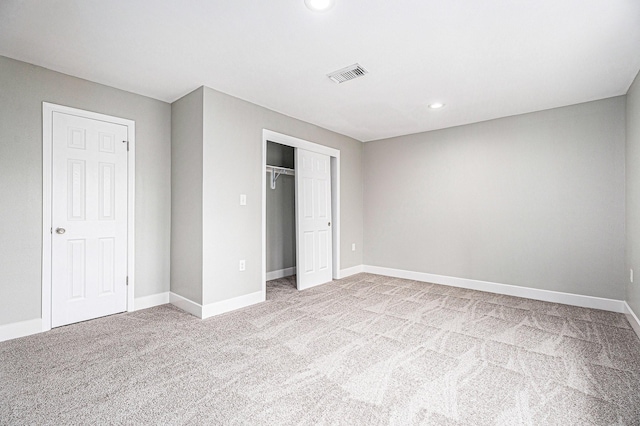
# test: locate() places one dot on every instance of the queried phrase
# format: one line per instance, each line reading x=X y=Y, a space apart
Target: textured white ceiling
x=483 y=59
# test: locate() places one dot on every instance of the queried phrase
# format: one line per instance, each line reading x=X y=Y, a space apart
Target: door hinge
x=127 y=280
x=127 y=142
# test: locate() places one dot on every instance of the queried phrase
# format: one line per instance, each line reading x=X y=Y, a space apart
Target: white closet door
x=89 y=217
x=313 y=219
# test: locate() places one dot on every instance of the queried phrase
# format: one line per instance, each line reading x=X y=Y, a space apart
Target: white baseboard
x=228 y=305
x=20 y=329
x=150 y=301
x=281 y=273
x=34 y=326
x=185 y=304
x=347 y=272
x=217 y=308
x=506 y=289
x=633 y=318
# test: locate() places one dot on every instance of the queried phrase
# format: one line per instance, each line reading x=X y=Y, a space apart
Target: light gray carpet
x=366 y=350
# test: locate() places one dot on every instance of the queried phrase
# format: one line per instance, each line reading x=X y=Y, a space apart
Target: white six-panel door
x=89 y=219
x=313 y=219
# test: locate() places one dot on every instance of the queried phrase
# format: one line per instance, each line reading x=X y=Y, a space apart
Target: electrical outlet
x=243 y=199
x=243 y=265
x=631 y=275
x=353 y=247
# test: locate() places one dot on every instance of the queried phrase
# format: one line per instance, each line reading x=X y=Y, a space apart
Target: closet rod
x=281 y=170
x=276 y=172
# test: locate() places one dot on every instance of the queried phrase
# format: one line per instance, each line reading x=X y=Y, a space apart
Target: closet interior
x=280 y=212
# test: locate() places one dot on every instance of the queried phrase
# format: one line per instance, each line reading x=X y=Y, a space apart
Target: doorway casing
x=47 y=156
x=271 y=136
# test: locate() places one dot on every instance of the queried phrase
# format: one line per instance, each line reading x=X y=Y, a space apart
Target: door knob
x=329 y=224
x=60 y=231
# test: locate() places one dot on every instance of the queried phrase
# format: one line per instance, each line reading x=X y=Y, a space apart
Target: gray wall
x=534 y=200
x=23 y=88
x=186 y=196
x=281 y=208
x=232 y=158
x=633 y=193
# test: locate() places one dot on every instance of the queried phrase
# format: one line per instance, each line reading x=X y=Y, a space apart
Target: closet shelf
x=280 y=170
x=277 y=171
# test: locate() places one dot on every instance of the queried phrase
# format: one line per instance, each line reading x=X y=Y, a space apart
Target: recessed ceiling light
x=436 y=105
x=319 y=5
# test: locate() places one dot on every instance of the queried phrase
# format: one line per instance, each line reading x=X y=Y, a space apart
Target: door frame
x=47 y=227
x=269 y=135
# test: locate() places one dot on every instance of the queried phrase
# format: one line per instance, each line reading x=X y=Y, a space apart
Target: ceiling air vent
x=348 y=73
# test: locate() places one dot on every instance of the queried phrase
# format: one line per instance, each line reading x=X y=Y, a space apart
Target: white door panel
x=313 y=219
x=89 y=217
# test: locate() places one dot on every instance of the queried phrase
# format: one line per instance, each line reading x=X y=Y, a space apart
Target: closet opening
x=300 y=213
x=280 y=214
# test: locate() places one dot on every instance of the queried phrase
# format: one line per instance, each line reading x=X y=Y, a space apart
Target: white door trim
x=269 y=135
x=47 y=145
